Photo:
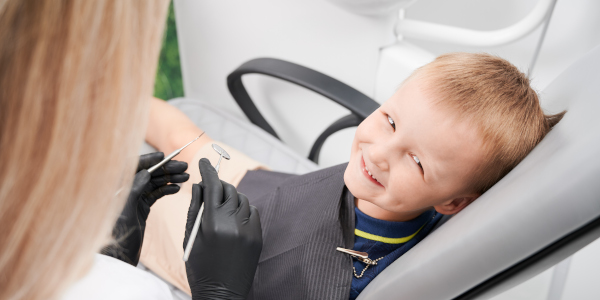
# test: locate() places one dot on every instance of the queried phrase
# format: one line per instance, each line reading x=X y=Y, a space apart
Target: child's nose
x=380 y=154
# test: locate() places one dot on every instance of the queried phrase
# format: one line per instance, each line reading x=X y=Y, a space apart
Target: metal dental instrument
x=170 y=156
x=188 y=247
x=222 y=154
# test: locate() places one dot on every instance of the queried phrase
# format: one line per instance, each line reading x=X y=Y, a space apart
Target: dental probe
x=188 y=247
x=170 y=156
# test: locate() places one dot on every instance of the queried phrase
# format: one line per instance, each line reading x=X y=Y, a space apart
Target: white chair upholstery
x=243 y=136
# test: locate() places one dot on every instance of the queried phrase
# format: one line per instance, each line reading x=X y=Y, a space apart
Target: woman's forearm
x=169 y=129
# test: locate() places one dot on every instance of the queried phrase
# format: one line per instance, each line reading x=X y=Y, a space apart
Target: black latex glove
x=145 y=190
x=225 y=253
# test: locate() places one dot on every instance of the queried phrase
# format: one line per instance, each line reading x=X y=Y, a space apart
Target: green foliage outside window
x=168 y=83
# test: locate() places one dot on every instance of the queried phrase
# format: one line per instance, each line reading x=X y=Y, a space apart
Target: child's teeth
x=367 y=169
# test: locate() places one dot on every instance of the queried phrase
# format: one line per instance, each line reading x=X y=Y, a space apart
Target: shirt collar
x=387 y=231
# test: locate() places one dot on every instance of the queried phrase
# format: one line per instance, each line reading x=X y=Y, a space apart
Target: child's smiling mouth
x=367 y=173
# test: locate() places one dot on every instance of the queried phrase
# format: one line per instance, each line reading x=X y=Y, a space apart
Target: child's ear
x=455 y=205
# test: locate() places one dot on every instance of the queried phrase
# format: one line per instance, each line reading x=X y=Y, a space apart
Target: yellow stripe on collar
x=386 y=240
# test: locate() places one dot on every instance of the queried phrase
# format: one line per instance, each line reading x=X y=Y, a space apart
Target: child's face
x=426 y=161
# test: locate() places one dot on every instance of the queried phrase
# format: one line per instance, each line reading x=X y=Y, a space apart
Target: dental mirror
x=222 y=154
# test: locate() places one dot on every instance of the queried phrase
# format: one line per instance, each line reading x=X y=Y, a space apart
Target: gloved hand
x=146 y=189
x=225 y=253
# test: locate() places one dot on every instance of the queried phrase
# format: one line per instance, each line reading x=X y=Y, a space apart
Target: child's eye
x=416 y=159
x=391 y=122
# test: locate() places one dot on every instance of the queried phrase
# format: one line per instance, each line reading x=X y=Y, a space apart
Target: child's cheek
x=371 y=128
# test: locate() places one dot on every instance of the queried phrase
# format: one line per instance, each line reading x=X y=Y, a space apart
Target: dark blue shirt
x=386 y=240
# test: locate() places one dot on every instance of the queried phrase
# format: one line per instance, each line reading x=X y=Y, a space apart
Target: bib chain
x=369 y=263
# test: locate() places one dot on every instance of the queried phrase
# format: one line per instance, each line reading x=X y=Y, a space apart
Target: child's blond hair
x=496 y=97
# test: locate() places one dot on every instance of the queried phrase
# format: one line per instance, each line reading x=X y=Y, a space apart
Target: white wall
x=574 y=30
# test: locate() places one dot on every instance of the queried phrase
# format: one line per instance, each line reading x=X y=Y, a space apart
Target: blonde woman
x=75 y=83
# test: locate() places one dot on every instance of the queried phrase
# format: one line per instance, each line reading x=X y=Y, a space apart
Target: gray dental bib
x=304 y=218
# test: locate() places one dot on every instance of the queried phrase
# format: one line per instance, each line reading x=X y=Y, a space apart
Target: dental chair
x=542 y=212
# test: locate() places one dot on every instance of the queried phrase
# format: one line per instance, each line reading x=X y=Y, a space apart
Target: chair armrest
x=358 y=103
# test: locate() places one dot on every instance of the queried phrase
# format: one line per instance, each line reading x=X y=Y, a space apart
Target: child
x=452 y=130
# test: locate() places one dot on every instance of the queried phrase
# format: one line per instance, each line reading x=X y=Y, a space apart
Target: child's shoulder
x=330 y=174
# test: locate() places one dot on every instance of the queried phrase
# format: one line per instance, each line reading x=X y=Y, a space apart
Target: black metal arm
x=358 y=103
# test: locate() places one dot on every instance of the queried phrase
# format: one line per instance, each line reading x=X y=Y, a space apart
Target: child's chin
x=355 y=183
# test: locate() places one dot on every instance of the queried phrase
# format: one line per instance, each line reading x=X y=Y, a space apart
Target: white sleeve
x=113 y=279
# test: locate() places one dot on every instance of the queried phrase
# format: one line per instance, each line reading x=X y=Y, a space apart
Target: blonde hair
x=75 y=81
x=495 y=97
